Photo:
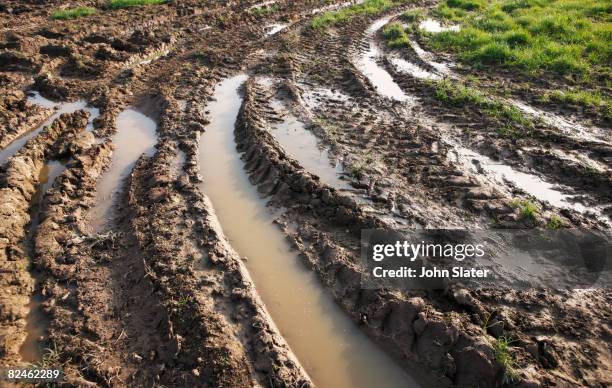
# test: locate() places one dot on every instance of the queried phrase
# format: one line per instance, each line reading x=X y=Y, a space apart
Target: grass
x=345 y=15
x=395 y=36
x=555 y=222
x=564 y=37
x=584 y=98
x=528 y=209
x=72 y=13
x=454 y=93
x=265 y=10
x=501 y=349
x=118 y=4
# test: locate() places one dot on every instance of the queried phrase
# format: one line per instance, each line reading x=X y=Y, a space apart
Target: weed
x=413 y=15
x=486 y=325
x=501 y=349
x=395 y=36
x=117 y=4
x=72 y=13
x=345 y=15
x=588 y=99
x=527 y=208
x=183 y=301
x=555 y=222
x=265 y=10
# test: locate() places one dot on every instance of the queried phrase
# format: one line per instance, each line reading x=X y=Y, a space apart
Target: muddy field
x=183 y=187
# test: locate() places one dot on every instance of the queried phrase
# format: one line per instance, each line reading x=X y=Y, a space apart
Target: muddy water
x=37 y=322
x=531 y=184
x=334 y=352
x=275 y=28
x=434 y=26
x=378 y=76
x=135 y=136
x=304 y=146
x=63 y=107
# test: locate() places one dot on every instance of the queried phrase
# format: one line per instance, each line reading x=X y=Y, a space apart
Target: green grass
x=265 y=10
x=555 y=222
x=345 y=15
x=564 y=37
x=501 y=349
x=395 y=36
x=588 y=99
x=527 y=208
x=72 y=13
x=118 y=4
x=456 y=94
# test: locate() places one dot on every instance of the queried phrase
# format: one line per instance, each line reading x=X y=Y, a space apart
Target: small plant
x=501 y=349
x=527 y=208
x=555 y=222
x=395 y=36
x=486 y=325
x=183 y=301
x=265 y=10
x=72 y=13
x=118 y=4
x=368 y=7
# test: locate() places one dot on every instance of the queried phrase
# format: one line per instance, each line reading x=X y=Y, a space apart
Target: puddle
x=434 y=26
x=403 y=66
x=273 y=29
x=312 y=96
x=378 y=76
x=332 y=349
x=304 y=146
x=531 y=184
x=36 y=321
x=572 y=129
x=135 y=136
x=263 y=4
x=428 y=58
x=62 y=107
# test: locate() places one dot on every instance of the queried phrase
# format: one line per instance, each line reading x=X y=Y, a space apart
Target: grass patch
x=72 y=13
x=501 y=349
x=584 y=98
x=345 y=15
x=265 y=10
x=565 y=37
x=395 y=36
x=118 y=4
x=555 y=222
x=456 y=94
x=528 y=209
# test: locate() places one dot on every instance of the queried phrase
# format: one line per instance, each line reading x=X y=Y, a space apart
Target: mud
x=160 y=292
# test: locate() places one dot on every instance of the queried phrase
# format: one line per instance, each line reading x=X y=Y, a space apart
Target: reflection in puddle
x=332 y=349
x=434 y=26
x=529 y=183
x=37 y=322
x=135 y=136
x=567 y=127
x=62 y=107
x=273 y=29
x=378 y=76
x=303 y=146
x=403 y=66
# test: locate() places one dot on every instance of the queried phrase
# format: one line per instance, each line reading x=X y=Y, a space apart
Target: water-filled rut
x=332 y=349
x=135 y=136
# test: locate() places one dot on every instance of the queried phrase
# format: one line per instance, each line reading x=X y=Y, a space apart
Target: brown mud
x=160 y=296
